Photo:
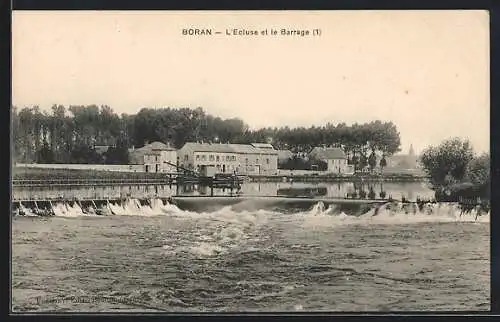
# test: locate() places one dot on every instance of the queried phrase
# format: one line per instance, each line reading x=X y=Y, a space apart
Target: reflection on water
x=410 y=190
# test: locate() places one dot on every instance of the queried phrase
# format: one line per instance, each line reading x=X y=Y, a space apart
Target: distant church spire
x=412 y=159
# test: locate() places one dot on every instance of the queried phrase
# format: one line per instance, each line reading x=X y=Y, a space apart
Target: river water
x=162 y=258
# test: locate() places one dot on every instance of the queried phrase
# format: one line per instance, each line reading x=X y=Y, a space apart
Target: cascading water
x=386 y=213
x=249 y=256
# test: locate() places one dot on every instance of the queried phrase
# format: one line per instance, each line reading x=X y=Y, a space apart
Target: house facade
x=155 y=157
x=335 y=159
x=228 y=158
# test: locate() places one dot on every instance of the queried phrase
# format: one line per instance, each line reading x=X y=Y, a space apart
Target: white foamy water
x=27 y=211
x=226 y=229
x=63 y=209
x=320 y=215
x=232 y=259
x=386 y=214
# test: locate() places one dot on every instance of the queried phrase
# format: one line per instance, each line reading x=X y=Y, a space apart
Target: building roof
x=158 y=146
x=208 y=147
x=263 y=146
x=226 y=148
x=155 y=146
x=327 y=153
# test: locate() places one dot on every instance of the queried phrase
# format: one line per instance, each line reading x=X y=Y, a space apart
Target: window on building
x=211 y=157
x=186 y=157
x=257 y=160
x=157 y=158
x=217 y=158
x=233 y=158
x=197 y=157
x=267 y=161
x=246 y=160
x=204 y=157
x=228 y=157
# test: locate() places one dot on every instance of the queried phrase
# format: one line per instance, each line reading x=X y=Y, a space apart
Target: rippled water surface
x=166 y=259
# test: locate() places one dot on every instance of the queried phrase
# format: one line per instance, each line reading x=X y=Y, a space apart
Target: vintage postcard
x=250 y=161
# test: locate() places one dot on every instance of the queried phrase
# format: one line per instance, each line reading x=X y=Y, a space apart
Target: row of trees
x=67 y=135
x=455 y=170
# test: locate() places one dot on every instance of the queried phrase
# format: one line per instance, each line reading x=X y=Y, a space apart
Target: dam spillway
x=283 y=197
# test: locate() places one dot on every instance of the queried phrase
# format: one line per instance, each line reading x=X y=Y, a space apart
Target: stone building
x=155 y=157
x=246 y=159
x=335 y=158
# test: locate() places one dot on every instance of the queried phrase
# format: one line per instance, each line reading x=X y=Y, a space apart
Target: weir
x=105 y=206
x=235 y=205
x=106 y=200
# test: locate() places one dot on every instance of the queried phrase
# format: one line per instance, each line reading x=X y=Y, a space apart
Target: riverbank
x=24 y=173
x=340 y=178
x=44 y=174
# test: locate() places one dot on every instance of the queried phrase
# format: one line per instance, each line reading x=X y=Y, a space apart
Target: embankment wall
x=100 y=167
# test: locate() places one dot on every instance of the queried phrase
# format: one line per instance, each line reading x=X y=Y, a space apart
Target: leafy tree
x=448 y=161
x=455 y=171
x=363 y=161
x=85 y=154
x=45 y=154
x=372 y=161
x=383 y=163
x=478 y=170
x=68 y=129
x=116 y=155
x=478 y=173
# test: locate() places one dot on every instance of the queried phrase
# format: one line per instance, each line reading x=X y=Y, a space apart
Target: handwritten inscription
x=238 y=32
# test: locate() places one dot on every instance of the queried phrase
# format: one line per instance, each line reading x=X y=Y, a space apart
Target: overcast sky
x=428 y=72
